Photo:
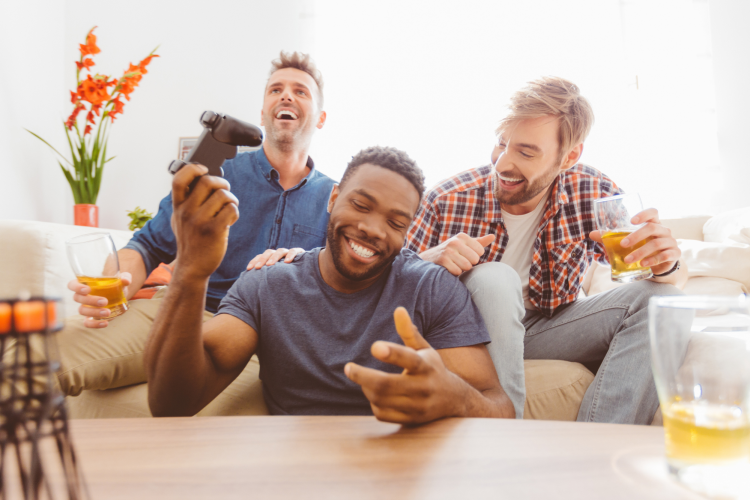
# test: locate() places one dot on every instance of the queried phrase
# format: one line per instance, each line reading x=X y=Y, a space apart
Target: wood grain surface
x=361 y=458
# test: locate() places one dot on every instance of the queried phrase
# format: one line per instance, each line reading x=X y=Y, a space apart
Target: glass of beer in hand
x=93 y=258
x=613 y=216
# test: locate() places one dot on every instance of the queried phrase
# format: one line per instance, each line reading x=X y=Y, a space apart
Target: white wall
x=396 y=74
x=31 y=96
x=731 y=55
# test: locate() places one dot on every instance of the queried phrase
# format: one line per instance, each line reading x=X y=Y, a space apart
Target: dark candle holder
x=32 y=411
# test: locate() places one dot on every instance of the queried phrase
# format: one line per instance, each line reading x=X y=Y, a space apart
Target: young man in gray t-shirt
x=322 y=325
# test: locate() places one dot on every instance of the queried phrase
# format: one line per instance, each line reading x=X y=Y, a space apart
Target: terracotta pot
x=86 y=215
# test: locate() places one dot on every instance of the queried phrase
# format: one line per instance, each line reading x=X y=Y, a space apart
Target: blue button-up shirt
x=270 y=217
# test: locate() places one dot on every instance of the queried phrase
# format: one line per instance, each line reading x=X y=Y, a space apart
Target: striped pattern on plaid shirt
x=563 y=252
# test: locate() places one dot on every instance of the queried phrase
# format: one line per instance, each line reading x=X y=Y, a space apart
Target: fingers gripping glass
x=93 y=258
x=613 y=216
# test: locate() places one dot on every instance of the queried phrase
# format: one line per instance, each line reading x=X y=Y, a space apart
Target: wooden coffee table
x=361 y=458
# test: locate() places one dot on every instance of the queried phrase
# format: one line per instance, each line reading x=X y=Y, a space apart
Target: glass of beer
x=700 y=349
x=93 y=258
x=613 y=216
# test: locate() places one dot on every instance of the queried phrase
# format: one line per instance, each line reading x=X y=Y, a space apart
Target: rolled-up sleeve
x=155 y=242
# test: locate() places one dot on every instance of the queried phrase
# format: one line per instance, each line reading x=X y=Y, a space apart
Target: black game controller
x=218 y=142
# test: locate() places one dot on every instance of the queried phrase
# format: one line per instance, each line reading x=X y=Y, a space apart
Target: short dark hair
x=391 y=158
x=302 y=62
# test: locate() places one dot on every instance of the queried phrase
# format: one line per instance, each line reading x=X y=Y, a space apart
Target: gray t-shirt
x=308 y=331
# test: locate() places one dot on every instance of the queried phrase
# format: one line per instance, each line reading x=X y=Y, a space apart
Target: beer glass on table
x=93 y=258
x=613 y=216
x=700 y=354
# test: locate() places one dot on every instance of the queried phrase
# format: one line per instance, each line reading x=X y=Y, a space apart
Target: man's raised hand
x=424 y=391
x=201 y=218
x=459 y=253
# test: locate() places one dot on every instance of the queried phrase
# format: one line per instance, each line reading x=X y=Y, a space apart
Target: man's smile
x=509 y=181
x=286 y=114
x=360 y=251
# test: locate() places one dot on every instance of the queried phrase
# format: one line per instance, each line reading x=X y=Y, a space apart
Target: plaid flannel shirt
x=563 y=252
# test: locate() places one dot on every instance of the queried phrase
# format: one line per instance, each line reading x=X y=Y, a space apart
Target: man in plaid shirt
x=529 y=222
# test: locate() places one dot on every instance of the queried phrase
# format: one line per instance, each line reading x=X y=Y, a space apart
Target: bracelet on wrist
x=674 y=268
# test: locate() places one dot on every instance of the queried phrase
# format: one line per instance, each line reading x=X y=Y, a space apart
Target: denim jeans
x=496 y=291
x=609 y=330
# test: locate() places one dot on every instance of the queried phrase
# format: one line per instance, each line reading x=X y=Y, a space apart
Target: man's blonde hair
x=302 y=62
x=551 y=95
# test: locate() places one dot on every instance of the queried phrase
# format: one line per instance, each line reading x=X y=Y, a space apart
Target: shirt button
x=285 y=193
x=278 y=221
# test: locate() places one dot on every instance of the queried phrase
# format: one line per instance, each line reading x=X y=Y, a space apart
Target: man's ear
x=321 y=120
x=332 y=199
x=572 y=157
x=261 y=119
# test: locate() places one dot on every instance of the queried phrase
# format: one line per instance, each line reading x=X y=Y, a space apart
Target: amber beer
x=616 y=254
x=109 y=288
x=696 y=432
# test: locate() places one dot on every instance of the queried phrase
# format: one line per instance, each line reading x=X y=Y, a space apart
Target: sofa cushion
x=244 y=396
x=554 y=390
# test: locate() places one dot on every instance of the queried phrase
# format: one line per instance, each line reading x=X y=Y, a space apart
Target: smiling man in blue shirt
x=282 y=202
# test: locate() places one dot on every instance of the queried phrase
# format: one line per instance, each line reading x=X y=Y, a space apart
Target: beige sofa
x=32 y=258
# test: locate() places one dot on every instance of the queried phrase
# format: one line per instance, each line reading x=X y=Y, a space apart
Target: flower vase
x=86 y=215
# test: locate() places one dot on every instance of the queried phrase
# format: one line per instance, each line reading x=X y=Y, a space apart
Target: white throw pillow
x=729 y=260
x=719 y=228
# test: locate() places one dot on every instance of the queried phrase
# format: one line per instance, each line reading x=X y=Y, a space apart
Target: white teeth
x=509 y=179
x=361 y=251
x=285 y=112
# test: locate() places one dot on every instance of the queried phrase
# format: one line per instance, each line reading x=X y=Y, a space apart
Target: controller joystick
x=218 y=142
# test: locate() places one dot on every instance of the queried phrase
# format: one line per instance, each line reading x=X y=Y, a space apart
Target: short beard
x=284 y=141
x=334 y=235
x=531 y=190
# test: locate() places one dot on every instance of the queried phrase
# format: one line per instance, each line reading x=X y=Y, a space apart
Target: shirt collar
x=271 y=173
x=492 y=212
x=557 y=198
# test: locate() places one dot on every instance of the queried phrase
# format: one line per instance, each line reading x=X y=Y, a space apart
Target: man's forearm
x=175 y=359
x=132 y=262
x=490 y=403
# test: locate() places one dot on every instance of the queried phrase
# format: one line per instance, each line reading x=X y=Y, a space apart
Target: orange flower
x=119 y=105
x=142 y=65
x=94 y=90
x=87 y=130
x=73 y=97
x=135 y=72
x=90 y=46
x=126 y=87
x=90 y=117
x=72 y=118
x=86 y=64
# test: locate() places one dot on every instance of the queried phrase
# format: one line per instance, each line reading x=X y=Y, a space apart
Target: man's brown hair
x=302 y=62
x=551 y=95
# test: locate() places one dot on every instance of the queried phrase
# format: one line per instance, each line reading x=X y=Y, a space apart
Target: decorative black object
x=32 y=410
x=218 y=142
